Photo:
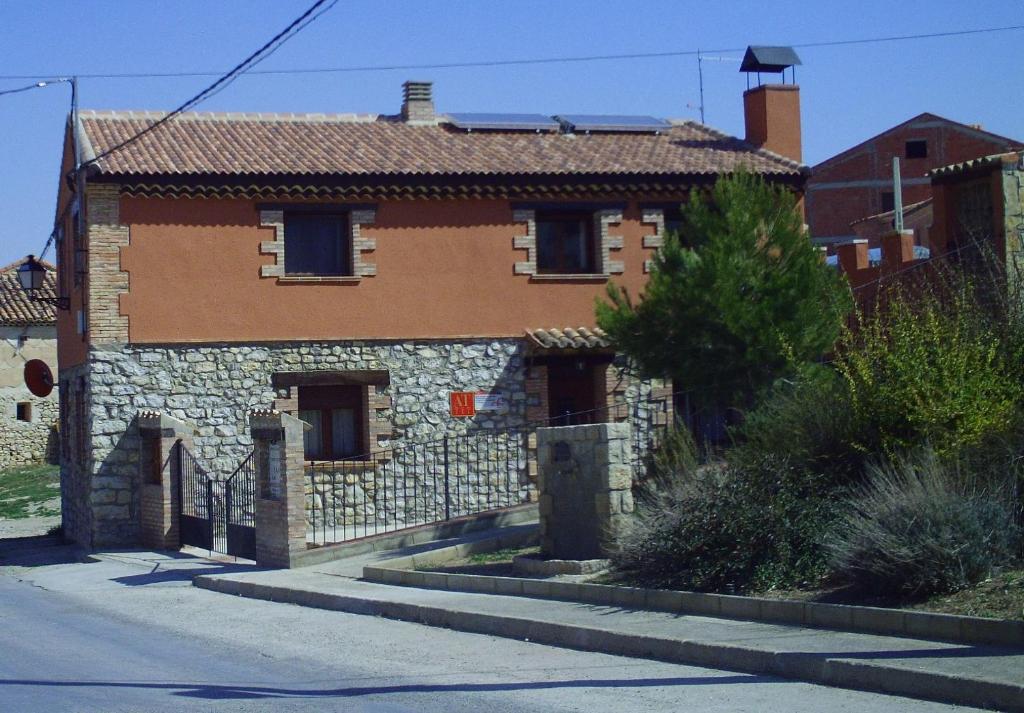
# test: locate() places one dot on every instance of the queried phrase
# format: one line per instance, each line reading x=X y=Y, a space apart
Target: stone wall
x=215 y=387
x=23 y=442
x=76 y=483
x=585 y=488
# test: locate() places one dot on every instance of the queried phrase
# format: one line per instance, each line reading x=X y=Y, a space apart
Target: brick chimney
x=771 y=113
x=418 y=103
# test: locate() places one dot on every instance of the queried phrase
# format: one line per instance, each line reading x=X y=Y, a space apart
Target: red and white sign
x=463 y=404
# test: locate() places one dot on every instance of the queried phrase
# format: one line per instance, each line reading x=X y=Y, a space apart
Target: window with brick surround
x=917 y=148
x=317 y=244
x=338 y=420
x=565 y=243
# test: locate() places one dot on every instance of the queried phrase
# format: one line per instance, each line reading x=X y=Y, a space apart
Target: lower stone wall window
x=338 y=421
x=24 y=411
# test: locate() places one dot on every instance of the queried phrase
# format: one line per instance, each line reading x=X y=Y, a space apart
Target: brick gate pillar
x=158 y=474
x=280 y=487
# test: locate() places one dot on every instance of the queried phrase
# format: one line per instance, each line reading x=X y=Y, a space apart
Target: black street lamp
x=30 y=276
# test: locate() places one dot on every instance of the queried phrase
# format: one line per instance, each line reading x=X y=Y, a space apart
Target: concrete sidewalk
x=970 y=675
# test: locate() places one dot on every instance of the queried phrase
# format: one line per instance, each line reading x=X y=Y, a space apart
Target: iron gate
x=214 y=514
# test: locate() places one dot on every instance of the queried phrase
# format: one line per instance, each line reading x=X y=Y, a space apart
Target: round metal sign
x=38 y=377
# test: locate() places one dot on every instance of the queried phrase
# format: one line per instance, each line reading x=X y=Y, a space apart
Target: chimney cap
x=769 y=59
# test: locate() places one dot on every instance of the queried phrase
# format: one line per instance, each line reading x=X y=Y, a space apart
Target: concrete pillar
x=158 y=484
x=280 y=487
x=585 y=480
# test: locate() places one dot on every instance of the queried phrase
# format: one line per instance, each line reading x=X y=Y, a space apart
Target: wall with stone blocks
x=215 y=387
x=585 y=484
x=35 y=440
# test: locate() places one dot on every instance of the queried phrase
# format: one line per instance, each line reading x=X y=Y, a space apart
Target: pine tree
x=736 y=300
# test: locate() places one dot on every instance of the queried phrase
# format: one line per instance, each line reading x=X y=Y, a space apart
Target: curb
x=812 y=668
x=841 y=617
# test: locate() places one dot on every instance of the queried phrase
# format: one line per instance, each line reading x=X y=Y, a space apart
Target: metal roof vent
x=773 y=60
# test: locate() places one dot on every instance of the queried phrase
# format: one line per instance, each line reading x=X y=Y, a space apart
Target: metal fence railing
x=459 y=474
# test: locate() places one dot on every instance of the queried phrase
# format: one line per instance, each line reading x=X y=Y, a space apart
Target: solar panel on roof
x=609 y=122
x=503 y=122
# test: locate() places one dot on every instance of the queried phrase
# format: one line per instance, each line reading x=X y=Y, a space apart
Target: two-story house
x=355 y=270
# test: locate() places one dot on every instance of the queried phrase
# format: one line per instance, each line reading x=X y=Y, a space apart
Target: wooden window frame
x=346 y=248
x=586 y=219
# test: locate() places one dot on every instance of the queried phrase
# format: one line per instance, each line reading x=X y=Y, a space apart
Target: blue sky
x=848 y=93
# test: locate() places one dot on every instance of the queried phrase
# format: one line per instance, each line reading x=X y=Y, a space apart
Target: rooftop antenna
x=701 y=59
x=897 y=195
x=700 y=79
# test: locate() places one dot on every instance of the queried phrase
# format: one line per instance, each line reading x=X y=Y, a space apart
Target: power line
x=518 y=62
x=317 y=9
x=34 y=85
x=252 y=60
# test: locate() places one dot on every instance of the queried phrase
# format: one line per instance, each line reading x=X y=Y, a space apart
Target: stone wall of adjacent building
x=77 y=486
x=34 y=437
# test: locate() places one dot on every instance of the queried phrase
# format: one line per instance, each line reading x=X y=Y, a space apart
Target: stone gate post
x=280 y=487
x=585 y=483
x=158 y=485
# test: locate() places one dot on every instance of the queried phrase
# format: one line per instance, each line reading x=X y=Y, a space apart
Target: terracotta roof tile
x=242 y=144
x=16 y=309
x=568 y=338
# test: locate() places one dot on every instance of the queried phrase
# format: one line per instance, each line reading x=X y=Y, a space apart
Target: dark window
x=888 y=201
x=917 y=149
x=317 y=244
x=674 y=222
x=338 y=421
x=24 y=411
x=565 y=243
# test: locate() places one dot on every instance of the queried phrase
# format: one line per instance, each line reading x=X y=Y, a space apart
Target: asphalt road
x=132 y=634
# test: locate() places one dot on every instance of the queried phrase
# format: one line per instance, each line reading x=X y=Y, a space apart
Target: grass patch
x=497 y=556
x=27 y=491
x=1000 y=596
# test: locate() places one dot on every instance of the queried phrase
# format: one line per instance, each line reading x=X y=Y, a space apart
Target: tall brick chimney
x=771 y=113
x=418 y=103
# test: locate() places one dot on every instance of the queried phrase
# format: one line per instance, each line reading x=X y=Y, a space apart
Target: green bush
x=716 y=528
x=929 y=369
x=916 y=529
x=805 y=421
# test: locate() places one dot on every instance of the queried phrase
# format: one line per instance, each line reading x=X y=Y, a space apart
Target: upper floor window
x=888 y=201
x=565 y=243
x=918 y=148
x=317 y=244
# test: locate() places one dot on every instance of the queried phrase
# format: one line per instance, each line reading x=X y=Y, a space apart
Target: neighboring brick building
x=857 y=183
x=28 y=330
x=975 y=214
x=354 y=270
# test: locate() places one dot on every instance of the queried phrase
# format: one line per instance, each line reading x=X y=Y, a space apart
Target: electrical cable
x=519 y=62
x=252 y=60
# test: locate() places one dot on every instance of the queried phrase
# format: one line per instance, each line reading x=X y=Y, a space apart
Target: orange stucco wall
x=72 y=347
x=445 y=269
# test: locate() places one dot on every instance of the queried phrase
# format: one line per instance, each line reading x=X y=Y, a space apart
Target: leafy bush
x=929 y=370
x=717 y=528
x=915 y=529
x=805 y=421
